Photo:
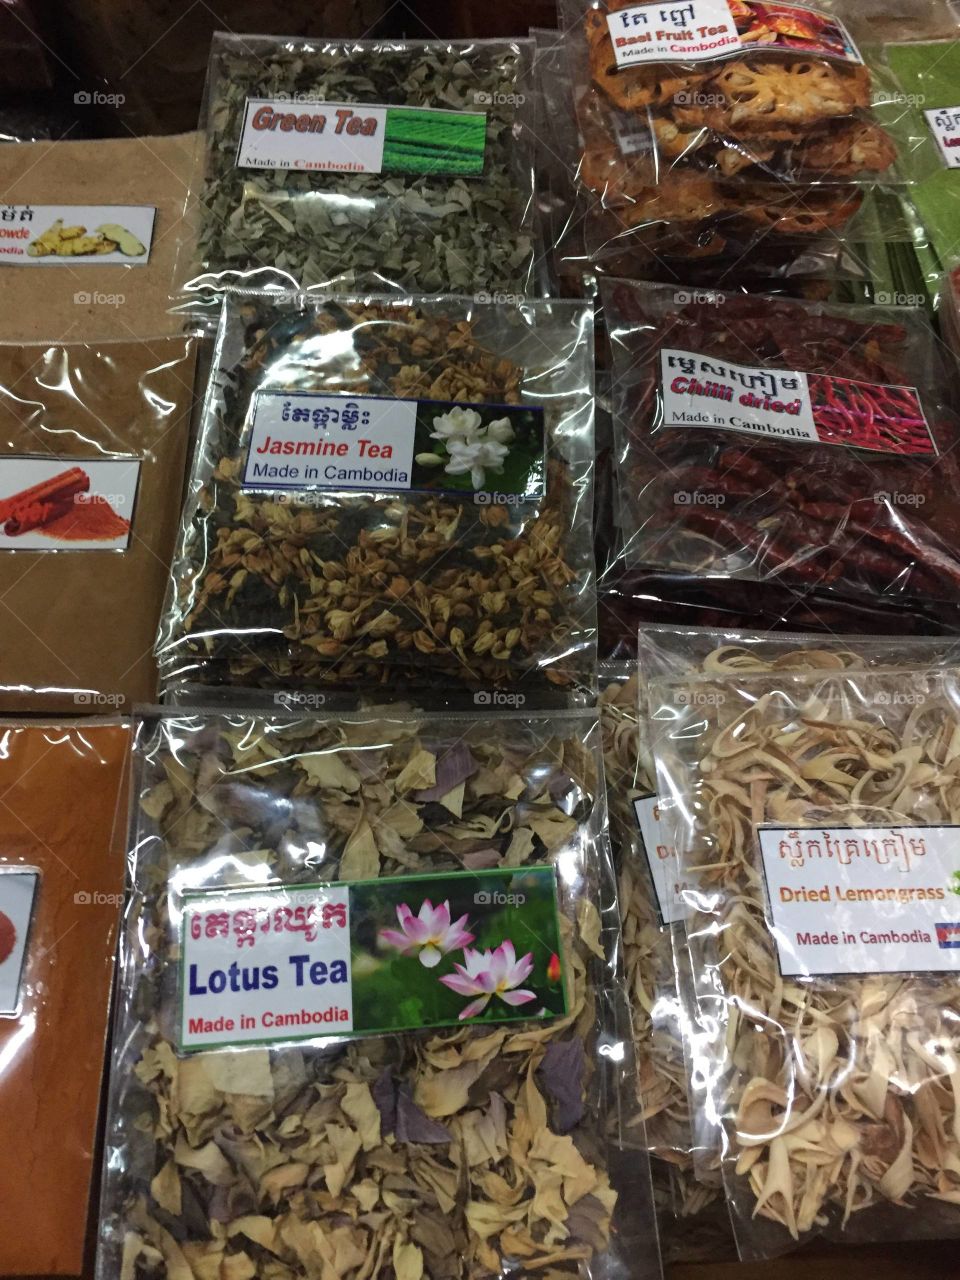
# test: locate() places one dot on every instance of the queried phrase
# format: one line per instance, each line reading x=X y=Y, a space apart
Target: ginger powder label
x=43 y=235
x=367 y=957
x=350 y=137
x=856 y=900
x=18 y=895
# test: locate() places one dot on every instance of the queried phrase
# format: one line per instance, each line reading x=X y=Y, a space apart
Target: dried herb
x=691 y=1214
x=432 y=1154
x=424 y=233
x=312 y=585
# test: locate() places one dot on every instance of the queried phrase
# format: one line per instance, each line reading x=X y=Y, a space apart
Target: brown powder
x=91 y=521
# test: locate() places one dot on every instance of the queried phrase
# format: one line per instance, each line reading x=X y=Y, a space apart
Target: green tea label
x=343 y=137
x=316 y=441
x=297 y=962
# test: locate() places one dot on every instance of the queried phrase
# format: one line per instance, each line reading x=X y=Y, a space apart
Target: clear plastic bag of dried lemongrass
x=834 y=1093
x=466 y=1152
x=477 y=568
x=691 y=1215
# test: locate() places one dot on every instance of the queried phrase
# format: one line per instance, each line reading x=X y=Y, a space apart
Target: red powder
x=91 y=521
x=8 y=936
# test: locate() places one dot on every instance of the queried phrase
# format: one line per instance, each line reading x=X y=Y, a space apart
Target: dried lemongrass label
x=369 y=957
x=787 y=404
x=704 y=30
x=308 y=440
x=661 y=860
x=18 y=893
x=67 y=504
x=350 y=137
x=861 y=900
x=46 y=234
x=944 y=124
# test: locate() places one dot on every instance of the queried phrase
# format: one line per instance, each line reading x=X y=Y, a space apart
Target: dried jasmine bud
x=319 y=583
x=403 y=228
x=450 y=1154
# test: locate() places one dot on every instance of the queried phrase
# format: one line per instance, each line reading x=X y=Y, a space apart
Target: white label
x=18 y=891
x=305 y=441
x=278 y=134
x=703 y=30
x=351 y=137
x=67 y=504
x=267 y=965
x=699 y=391
x=43 y=235
x=860 y=900
x=944 y=124
x=661 y=859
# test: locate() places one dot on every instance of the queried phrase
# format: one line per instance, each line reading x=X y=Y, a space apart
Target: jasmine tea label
x=299 y=962
x=313 y=441
x=350 y=137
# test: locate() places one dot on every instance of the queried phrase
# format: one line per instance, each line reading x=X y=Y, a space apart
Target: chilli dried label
x=386 y=486
x=704 y=30
x=362 y=958
x=18 y=892
x=790 y=405
x=67 y=503
x=863 y=899
x=453 y=1153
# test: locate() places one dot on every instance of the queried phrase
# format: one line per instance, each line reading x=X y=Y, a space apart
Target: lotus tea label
x=345 y=137
x=859 y=900
x=18 y=892
x=297 y=962
x=704 y=30
x=76 y=234
x=313 y=441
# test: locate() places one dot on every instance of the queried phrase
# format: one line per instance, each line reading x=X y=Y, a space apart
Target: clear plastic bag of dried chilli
x=802 y=445
x=814 y=815
x=313 y=1073
x=691 y=1215
x=386 y=487
x=365 y=165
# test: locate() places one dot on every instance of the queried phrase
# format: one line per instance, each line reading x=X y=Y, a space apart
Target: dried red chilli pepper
x=866 y=510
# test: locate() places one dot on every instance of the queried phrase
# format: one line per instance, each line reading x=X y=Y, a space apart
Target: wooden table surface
x=919 y=1261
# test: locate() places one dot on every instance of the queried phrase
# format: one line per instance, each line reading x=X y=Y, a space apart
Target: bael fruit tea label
x=298 y=962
